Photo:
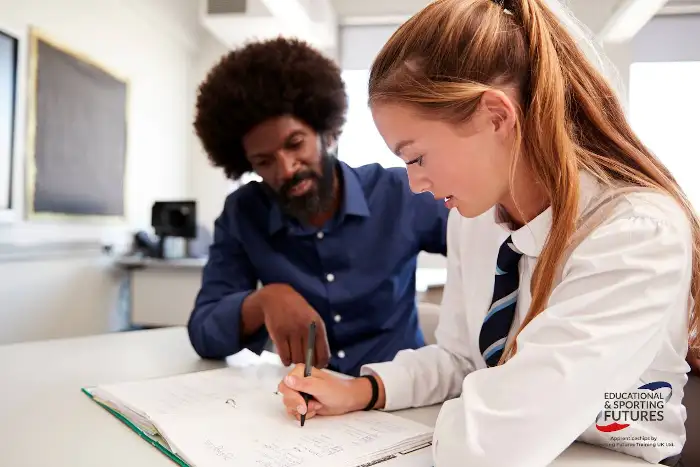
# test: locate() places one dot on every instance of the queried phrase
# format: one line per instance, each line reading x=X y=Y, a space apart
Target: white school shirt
x=617 y=320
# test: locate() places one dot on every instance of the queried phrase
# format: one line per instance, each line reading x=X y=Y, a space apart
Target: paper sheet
x=266 y=436
x=235 y=417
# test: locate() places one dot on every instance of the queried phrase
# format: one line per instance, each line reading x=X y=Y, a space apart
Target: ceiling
x=376 y=11
x=682 y=7
x=233 y=28
x=379 y=11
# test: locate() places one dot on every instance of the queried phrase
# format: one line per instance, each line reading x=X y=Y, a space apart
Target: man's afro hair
x=260 y=81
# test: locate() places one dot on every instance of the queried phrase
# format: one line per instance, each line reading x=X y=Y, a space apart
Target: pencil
x=311 y=343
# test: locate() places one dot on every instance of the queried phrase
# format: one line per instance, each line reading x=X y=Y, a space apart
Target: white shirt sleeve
x=599 y=332
x=434 y=373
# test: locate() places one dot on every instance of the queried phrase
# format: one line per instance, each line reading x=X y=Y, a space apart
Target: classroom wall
x=154 y=44
x=207 y=184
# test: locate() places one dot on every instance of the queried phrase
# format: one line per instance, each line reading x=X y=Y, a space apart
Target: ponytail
x=549 y=138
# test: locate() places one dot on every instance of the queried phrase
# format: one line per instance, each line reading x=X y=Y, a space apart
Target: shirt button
x=337 y=318
x=341 y=354
x=330 y=277
x=319 y=235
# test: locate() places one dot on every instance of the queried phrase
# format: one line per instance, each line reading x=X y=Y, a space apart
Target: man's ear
x=330 y=141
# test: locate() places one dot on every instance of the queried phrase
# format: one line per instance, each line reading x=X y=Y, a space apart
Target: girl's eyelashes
x=418 y=160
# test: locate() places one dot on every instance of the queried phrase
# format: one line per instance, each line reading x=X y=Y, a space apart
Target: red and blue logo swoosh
x=655 y=386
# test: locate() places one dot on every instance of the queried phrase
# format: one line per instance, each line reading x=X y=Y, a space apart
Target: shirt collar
x=354 y=201
x=531 y=237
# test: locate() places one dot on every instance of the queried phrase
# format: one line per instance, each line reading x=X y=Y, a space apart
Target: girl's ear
x=501 y=112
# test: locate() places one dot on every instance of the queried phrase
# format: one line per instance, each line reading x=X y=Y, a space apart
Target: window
x=360 y=143
x=664 y=99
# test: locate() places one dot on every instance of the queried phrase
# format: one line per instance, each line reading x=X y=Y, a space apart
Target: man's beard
x=318 y=199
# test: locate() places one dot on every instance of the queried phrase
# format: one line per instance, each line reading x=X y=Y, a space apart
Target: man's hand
x=287 y=316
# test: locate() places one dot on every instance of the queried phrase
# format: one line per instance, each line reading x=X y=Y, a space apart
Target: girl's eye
x=418 y=160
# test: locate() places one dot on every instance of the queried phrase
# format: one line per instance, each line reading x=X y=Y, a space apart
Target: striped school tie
x=498 y=321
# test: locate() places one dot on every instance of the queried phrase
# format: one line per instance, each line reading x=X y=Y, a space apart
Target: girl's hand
x=331 y=395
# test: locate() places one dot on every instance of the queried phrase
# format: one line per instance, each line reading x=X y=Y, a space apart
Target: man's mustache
x=295 y=180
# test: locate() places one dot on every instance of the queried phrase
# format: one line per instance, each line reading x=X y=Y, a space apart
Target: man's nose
x=287 y=166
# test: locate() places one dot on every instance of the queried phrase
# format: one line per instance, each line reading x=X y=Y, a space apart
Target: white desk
x=163 y=291
x=46 y=420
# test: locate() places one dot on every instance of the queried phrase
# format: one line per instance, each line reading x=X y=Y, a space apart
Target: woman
x=572 y=251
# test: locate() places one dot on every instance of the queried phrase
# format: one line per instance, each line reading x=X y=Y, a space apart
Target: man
x=328 y=243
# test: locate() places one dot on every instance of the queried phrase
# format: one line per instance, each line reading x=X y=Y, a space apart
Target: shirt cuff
x=397 y=384
x=227 y=315
x=216 y=333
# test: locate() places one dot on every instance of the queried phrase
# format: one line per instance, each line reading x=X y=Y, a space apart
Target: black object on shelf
x=173 y=219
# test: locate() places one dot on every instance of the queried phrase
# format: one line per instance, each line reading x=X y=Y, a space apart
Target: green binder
x=158 y=443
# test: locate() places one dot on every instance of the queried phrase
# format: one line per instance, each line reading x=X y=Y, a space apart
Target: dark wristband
x=375 y=391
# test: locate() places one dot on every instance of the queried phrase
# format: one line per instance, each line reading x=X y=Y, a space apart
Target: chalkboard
x=77 y=135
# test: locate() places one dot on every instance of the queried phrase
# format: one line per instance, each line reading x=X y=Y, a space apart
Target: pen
x=311 y=343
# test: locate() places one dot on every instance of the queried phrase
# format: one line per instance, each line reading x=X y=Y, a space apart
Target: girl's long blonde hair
x=448 y=54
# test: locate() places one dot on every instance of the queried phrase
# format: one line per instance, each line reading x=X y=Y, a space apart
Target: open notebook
x=230 y=417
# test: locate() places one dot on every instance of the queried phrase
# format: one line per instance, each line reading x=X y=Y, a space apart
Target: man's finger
x=322 y=351
x=284 y=352
x=282 y=347
x=298 y=349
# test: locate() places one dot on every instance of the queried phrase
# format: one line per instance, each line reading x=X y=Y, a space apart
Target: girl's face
x=467 y=164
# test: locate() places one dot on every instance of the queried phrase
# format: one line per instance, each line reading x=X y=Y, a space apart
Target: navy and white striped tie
x=498 y=321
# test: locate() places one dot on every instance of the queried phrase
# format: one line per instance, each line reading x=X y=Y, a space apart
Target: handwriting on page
x=186 y=392
x=219 y=451
x=272 y=439
x=222 y=418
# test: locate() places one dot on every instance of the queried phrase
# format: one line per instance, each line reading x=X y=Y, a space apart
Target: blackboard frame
x=7 y=211
x=35 y=37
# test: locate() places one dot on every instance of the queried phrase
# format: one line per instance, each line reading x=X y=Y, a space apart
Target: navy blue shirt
x=357 y=271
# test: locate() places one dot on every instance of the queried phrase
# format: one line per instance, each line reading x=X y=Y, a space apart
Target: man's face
x=292 y=161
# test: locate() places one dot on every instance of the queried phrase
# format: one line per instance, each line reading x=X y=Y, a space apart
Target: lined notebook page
x=232 y=417
x=268 y=437
x=192 y=391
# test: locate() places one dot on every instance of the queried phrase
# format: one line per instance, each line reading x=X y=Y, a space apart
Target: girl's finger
x=315 y=406
x=292 y=412
x=291 y=397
